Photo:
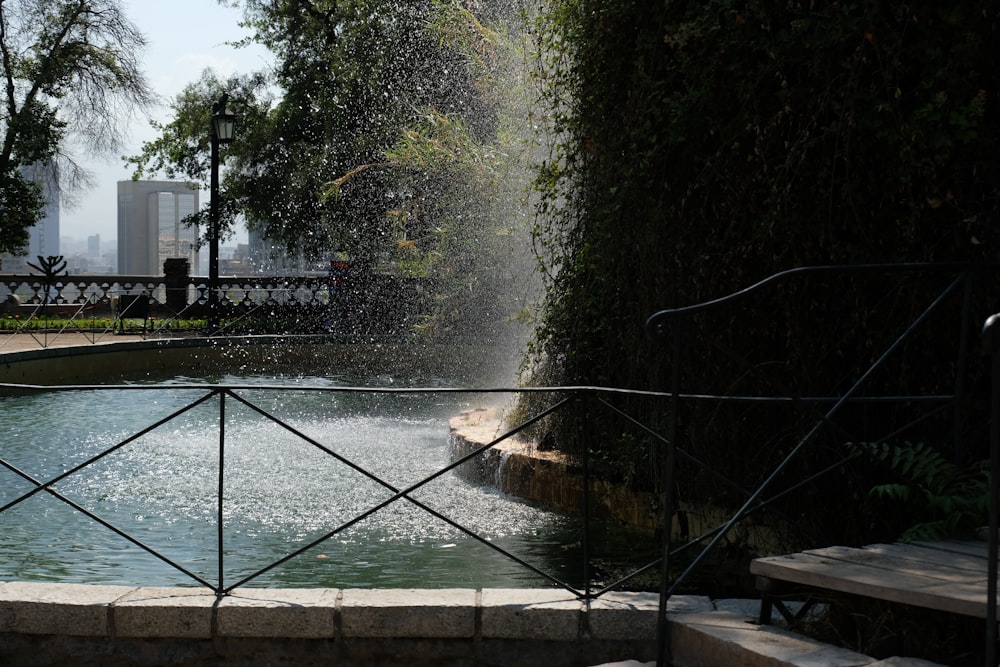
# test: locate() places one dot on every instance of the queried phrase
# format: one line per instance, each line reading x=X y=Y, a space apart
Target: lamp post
x=223 y=130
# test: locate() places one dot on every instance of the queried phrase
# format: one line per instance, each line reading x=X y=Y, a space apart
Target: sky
x=184 y=37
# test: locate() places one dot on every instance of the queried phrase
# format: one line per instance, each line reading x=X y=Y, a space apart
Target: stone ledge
x=136 y=627
x=194 y=613
x=437 y=614
x=287 y=613
x=546 y=478
x=184 y=613
x=57 y=609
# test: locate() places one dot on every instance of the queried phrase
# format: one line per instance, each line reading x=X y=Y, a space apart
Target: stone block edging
x=193 y=613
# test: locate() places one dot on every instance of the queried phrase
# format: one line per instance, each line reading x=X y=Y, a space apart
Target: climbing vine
x=697 y=147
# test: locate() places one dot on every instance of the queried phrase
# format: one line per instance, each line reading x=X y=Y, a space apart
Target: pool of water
x=280 y=492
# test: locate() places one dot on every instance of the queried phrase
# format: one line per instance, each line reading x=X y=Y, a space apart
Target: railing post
x=667 y=461
x=222 y=478
x=991 y=337
x=587 y=436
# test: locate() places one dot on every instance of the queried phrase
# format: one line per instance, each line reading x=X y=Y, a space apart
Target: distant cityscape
x=97 y=256
x=150 y=231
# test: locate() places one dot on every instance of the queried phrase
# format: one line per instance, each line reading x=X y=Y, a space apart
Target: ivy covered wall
x=698 y=147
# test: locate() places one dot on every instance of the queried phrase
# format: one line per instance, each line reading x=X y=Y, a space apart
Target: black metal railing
x=223 y=395
x=960 y=281
x=154 y=306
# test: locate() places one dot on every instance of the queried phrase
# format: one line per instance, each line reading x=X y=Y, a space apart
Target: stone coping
x=192 y=613
x=703 y=633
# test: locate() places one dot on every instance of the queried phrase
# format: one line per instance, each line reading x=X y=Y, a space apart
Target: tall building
x=94 y=247
x=43 y=237
x=151 y=227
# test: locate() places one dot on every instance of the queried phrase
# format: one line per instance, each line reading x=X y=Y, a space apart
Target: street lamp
x=223 y=130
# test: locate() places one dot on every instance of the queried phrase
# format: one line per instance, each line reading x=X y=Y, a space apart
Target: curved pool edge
x=43 y=623
x=109 y=361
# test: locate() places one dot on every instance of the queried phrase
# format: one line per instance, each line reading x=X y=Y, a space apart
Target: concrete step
x=727 y=635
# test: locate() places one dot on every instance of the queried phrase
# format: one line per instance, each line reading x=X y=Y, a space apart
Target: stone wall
x=547 y=478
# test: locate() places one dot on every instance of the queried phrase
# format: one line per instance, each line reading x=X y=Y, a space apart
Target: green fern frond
x=934 y=487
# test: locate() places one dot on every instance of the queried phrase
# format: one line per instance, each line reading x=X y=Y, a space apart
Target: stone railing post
x=177 y=276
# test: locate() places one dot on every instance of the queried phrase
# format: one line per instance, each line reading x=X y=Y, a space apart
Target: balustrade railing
x=101 y=291
x=163 y=306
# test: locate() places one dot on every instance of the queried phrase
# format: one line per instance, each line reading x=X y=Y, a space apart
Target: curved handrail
x=656 y=323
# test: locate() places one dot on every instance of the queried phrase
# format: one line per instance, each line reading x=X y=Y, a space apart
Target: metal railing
x=959 y=283
x=667 y=326
x=234 y=291
x=94 y=305
x=222 y=395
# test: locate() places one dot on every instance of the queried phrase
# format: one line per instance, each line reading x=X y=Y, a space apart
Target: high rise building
x=151 y=227
x=43 y=237
x=94 y=247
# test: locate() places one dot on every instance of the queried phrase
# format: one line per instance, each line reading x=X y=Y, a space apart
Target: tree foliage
x=945 y=501
x=349 y=76
x=70 y=76
x=699 y=147
x=379 y=134
x=721 y=142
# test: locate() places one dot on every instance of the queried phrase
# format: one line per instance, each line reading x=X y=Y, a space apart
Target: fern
x=954 y=499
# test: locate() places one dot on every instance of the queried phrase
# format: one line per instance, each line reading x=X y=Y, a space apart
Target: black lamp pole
x=223 y=130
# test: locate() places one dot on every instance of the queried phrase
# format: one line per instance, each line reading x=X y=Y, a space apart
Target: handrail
x=658 y=326
x=991 y=339
x=656 y=322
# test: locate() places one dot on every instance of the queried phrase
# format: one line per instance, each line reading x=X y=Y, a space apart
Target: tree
x=342 y=84
x=380 y=134
x=182 y=150
x=71 y=76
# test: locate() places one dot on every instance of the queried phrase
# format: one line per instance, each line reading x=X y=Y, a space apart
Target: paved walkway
x=21 y=342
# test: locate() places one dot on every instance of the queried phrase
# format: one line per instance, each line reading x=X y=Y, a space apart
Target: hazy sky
x=185 y=37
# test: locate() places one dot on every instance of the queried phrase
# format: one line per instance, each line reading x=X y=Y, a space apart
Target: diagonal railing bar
x=91 y=336
x=403 y=493
x=812 y=478
x=761 y=505
x=809 y=402
x=657 y=326
x=43 y=343
x=47 y=487
x=121 y=533
x=687 y=456
x=163 y=324
x=910 y=424
x=42 y=486
x=230 y=324
x=793 y=453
